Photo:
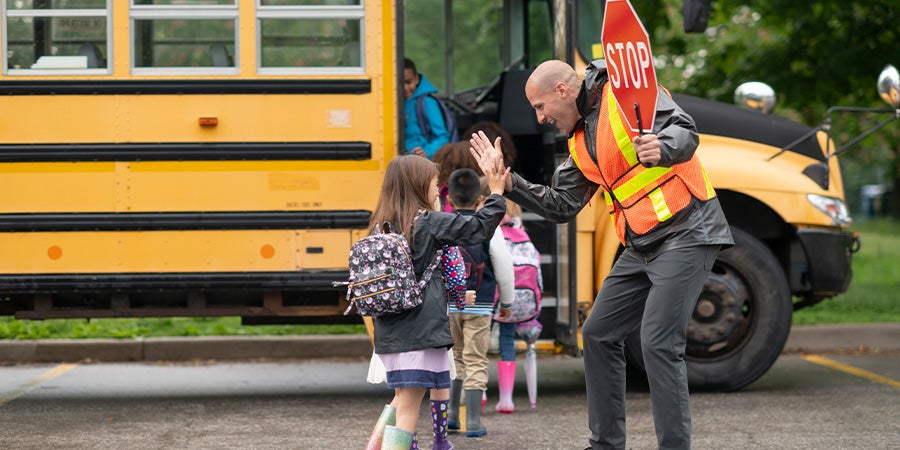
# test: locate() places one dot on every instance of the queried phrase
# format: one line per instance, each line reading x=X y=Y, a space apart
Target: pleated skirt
x=429 y=369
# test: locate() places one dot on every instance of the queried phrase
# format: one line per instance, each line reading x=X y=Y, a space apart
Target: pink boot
x=506 y=379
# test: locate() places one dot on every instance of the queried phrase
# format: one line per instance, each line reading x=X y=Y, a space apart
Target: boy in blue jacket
x=415 y=85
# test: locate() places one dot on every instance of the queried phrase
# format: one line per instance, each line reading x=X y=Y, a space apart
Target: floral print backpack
x=382 y=279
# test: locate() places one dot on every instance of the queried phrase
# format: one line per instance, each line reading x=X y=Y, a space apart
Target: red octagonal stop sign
x=626 y=47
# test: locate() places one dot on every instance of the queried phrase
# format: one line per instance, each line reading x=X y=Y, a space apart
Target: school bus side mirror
x=889 y=86
x=696 y=15
x=755 y=95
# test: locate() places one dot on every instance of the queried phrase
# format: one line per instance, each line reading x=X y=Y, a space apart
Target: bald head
x=546 y=76
x=552 y=90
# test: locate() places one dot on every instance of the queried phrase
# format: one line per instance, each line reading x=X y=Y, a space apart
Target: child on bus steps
x=413 y=344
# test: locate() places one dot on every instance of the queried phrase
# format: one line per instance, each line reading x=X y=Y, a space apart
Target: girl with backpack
x=413 y=344
x=526 y=303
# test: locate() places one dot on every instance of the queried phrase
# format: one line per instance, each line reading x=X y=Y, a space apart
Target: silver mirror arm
x=894 y=112
x=826 y=126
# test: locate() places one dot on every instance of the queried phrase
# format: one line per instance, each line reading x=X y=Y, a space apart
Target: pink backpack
x=527 y=268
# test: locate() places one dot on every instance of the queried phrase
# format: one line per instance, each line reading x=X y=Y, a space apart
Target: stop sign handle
x=640 y=124
x=640 y=121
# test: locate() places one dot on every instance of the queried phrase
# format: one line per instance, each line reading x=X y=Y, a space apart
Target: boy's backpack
x=449 y=118
x=454 y=275
x=382 y=278
x=527 y=267
x=474 y=258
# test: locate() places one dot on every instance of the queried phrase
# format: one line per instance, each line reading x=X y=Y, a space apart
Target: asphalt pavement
x=879 y=337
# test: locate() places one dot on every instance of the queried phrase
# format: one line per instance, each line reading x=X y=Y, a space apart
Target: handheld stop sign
x=629 y=64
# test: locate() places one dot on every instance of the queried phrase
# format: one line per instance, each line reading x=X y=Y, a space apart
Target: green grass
x=156 y=327
x=874 y=294
x=873 y=297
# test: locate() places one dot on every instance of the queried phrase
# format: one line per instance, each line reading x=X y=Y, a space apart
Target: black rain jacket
x=428 y=325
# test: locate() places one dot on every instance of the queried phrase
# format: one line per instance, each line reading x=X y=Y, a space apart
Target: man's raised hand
x=490 y=160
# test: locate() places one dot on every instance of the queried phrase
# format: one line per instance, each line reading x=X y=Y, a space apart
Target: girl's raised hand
x=499 y=179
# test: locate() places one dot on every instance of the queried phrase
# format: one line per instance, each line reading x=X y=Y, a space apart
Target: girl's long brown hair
x=404 y=192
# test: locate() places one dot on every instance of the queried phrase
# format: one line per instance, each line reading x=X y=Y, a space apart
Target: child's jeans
x=507 y=341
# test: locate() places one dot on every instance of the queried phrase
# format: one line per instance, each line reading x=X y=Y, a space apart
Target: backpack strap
x=429 y=271
x=424 y=125
x=446 y=115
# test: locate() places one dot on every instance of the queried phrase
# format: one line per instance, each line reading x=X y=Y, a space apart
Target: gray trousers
x=660 y=294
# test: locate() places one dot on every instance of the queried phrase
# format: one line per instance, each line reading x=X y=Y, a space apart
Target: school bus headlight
x=831 y=207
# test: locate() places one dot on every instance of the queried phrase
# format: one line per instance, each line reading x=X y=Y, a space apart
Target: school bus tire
x=726 y=355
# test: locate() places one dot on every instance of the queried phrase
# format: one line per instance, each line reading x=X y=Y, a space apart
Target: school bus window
x=319 y=36
x=184 y=2
x=55 y=4
x=56 y=37
x=183 y=42
x=189 y=36
x=309 y=2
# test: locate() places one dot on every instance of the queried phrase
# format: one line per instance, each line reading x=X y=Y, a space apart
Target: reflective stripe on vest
x=636 y=196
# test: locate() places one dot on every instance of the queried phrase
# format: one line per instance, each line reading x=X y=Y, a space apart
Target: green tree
x=814 y=54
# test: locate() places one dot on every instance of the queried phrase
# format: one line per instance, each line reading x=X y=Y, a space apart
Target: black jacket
x=428 y=325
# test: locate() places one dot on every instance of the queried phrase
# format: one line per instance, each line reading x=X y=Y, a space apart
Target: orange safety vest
x=638 y=197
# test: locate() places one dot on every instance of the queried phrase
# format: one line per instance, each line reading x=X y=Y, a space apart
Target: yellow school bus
x=218 y=157
x=189 y=157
